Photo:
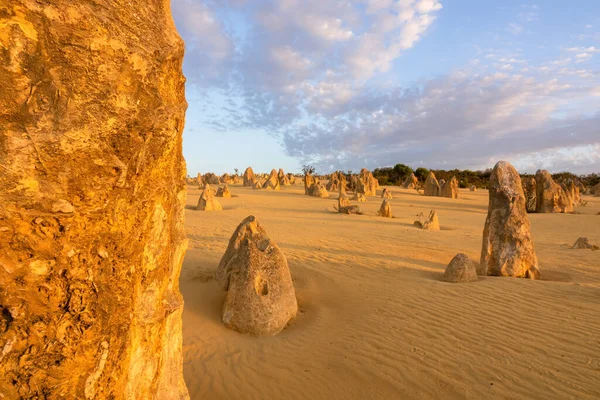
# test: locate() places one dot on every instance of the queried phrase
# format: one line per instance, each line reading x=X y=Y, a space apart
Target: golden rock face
x=92 y=108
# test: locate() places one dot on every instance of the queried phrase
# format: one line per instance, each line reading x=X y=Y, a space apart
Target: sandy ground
x=377 y=322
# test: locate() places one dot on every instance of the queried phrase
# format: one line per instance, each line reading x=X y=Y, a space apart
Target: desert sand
x=376 y=321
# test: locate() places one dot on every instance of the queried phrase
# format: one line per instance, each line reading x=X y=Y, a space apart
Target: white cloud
x=515 y=29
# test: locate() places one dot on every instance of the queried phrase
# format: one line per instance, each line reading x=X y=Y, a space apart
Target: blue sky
x=370 y=83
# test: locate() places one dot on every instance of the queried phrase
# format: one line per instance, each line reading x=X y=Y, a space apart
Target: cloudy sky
x=370 y=83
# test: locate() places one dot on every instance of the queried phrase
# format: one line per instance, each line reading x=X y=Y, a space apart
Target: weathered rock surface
x=359 y=197
x=249 y=178
x=336 y=181
x=318 y=190
x=260 y=294
x=411 y=182
x=223 y=191
x=258 y=185
x=551 y=198
x=211 y=179
x=283 y=179
x=450 y=189
x=584 y=243
x=507 y=248
x=431 y=187
x=291 y=178
x=272 y=181
x=308 y=183
x=367 y=184
x=386 y=193
x=385 y=210
x=460 y=269
x=595 y=191
x=92 y=195
x=431 y=223
x=473 y=188
x=343 y=201
x=207 y=200
x=530 y=192
x=349 y=210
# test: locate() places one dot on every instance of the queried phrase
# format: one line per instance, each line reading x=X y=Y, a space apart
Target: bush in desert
x=460 y=269
x=92 y=202
x=385 y=210
x=411 y=182
x=386 y=193
x=207 y=200
x=249 y=178
x=431 y=186
x=272 y=181
x=223 y=192
x=584 y=243
x=431 y=223
x=507 y=248
x=260 y=294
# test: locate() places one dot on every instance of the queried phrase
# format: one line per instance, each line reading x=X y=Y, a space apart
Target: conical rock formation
x=260 y=294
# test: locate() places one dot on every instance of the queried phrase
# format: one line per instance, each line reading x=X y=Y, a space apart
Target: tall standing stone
x=507 y=248
x=431 y=187
x=551 y=198
x=272 y=181
x=450 y=189
x=92 y=195
x=308 y=182
x=530 y=192
x=249 y=178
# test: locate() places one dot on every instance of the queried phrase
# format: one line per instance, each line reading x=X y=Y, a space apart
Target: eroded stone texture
x=283 y=179
x=431 y=223
x=249 y=178
x=92 y=193
x=411 y=182
x=551 y=198
x=530 y=192
x=386 y=193
x=318 y=190
x=431 y=187
x=366 y=183
x=336 y=181
x=460 y=269
x=473 y=188
x=507 y=248
x=385 y=210
x=308 y=182
x=211 y=179
x=260 y=294
x=224 y=192
x=272 y=181
x=450 y=189
x=584 y=243
x=359 y=197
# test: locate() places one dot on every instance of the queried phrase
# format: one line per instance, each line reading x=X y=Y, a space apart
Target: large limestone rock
x=283 y=179
x=249 y=178
x=473 y=188
x=226 y=178
x=207 y=200
x=260 y=294
x=360 y=197
x=317 y=190
x=211 y=179
x=431 y=223
x=224 y=192
x=386 y=193
x=336 y=181
x=308 y=183
x=272 y=181
x=367 y=184
x=530 y=192
x=572 y=192
x=450 y=189
x=460 y=269
x=291 y=178
x=385 y=210
x=92 y=195
x=595 y=191
x=507 y=248
x=431 y=187
x=551 y=198
x=411 y=182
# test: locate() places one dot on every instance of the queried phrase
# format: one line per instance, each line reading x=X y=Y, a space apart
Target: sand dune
x=375 y=320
